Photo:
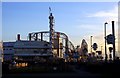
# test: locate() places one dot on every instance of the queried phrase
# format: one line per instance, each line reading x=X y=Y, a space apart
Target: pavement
x=76 y=74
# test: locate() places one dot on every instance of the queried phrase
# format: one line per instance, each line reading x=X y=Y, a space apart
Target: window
x=36 y=52
x=45 y=44
x=10 y=49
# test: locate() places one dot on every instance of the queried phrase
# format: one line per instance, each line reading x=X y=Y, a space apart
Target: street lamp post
x=105 y=42
x=101 y=48
x=91 y=43
x=113 y=33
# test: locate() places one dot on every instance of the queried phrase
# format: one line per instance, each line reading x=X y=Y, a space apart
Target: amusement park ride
x=44 y=44
x=57 y=40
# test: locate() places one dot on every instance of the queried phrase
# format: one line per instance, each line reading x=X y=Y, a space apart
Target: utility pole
x=113 y=32
x=101 y=48
x=105 y=42
x=91 y=43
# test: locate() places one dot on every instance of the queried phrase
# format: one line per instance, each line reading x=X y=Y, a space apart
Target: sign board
x=95 y=46
x=99 y=52
x=110 y=39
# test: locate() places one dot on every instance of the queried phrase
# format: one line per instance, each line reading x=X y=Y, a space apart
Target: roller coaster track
x=39 y=36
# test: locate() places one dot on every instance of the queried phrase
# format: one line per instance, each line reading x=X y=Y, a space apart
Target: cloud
x=103 y=16
x=88 y=27
x=108 y=13
x=107 y=16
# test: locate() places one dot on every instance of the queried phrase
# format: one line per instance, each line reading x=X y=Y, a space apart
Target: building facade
x=8 y=51
x=31 y=50
x=25 y=50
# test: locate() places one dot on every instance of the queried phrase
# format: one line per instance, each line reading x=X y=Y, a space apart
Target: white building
x=25 y=50
x=30 y=50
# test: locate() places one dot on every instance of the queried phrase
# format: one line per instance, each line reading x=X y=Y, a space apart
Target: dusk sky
x=79 y=20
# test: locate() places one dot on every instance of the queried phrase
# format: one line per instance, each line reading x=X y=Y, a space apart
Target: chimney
x=18 y=37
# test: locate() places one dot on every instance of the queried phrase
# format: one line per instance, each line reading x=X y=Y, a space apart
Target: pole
x=105 y=43
x=101 y=48
x=113 y=32
x=91 y=43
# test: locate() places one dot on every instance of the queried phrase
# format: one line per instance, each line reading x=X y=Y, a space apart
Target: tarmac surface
x=85 y=71
x=78 y=74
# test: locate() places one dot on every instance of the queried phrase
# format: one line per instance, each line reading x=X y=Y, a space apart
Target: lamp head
x=106 y=23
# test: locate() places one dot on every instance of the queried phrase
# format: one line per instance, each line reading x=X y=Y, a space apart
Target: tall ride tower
x=51 y=26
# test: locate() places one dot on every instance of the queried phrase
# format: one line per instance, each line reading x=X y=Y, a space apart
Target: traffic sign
x=95 y=46
x=99 y=52
x=110 y=39
x=110 y=49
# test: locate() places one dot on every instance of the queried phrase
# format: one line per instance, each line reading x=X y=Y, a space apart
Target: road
x=76 y=74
